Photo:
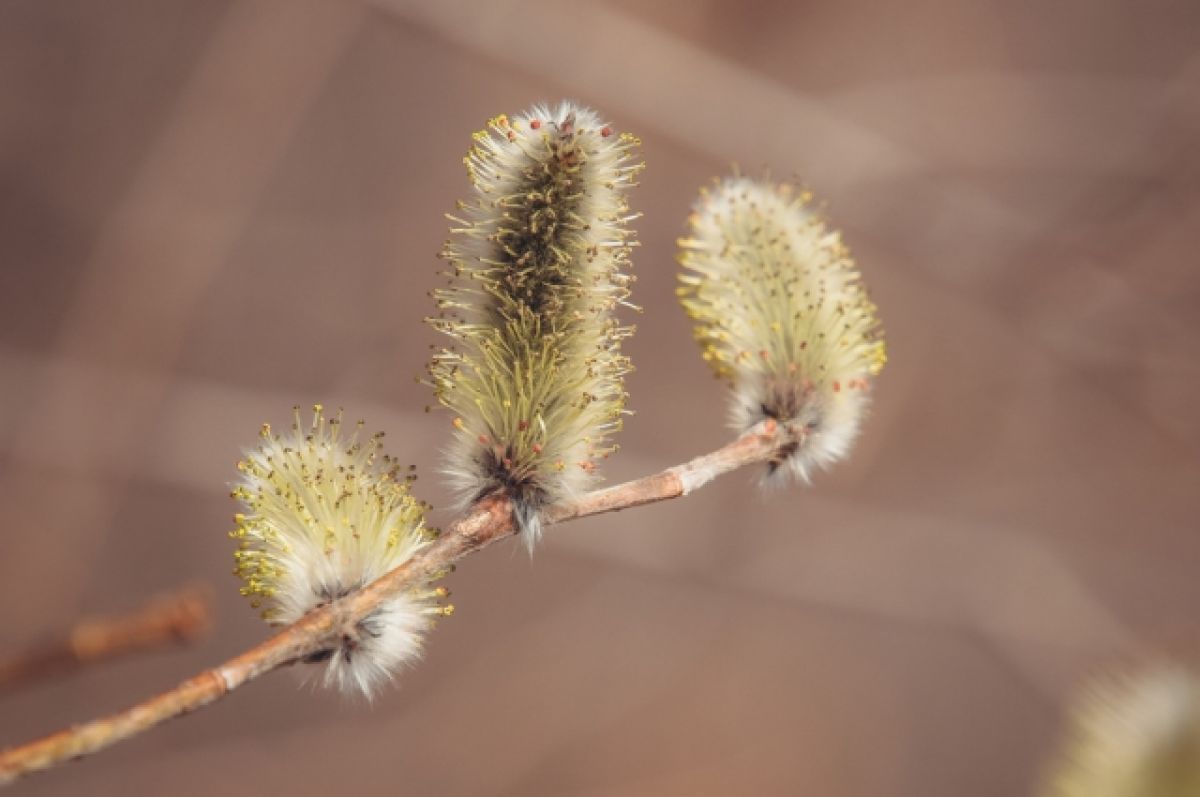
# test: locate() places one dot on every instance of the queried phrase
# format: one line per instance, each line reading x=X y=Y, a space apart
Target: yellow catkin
x=780 y=313
x=538 y=261
x=324 y=513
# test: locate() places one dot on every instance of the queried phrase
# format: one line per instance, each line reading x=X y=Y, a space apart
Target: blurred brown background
x=210 y=211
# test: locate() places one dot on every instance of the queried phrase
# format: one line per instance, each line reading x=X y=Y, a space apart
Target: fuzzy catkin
x=326 y=513
x=780 y=313
x=538 y=263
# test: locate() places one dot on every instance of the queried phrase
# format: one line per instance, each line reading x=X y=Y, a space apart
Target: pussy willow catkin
x=780 y=313
x=326 y=513
x=1134 y=735
x=538 y=257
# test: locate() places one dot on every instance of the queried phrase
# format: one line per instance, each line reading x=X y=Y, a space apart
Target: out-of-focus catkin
x=1133 y=735
x=538 y=262
x=324 y=514
x=781 y=314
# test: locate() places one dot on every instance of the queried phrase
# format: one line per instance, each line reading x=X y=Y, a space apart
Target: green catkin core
x=538 y=221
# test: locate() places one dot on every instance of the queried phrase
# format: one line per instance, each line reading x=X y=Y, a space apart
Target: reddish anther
x=535 y=123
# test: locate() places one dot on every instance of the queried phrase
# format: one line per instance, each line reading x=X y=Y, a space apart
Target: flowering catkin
x=780 y=314
x=535 y=374
x=325 y=514
x=1134 y=736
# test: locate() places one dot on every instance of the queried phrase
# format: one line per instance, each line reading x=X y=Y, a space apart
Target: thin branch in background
x=165 y=621
x=488 y=521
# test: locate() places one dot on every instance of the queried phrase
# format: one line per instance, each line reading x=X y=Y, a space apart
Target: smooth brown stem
x=167 y=620
x=487 y=521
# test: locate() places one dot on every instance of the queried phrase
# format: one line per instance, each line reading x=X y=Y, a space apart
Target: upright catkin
x=538 y=262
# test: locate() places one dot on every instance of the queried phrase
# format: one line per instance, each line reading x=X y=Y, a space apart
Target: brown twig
x=166 y=620
x=489 y=520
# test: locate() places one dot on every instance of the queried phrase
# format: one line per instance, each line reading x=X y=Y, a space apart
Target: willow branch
x=486 y=522
x=166 y=620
